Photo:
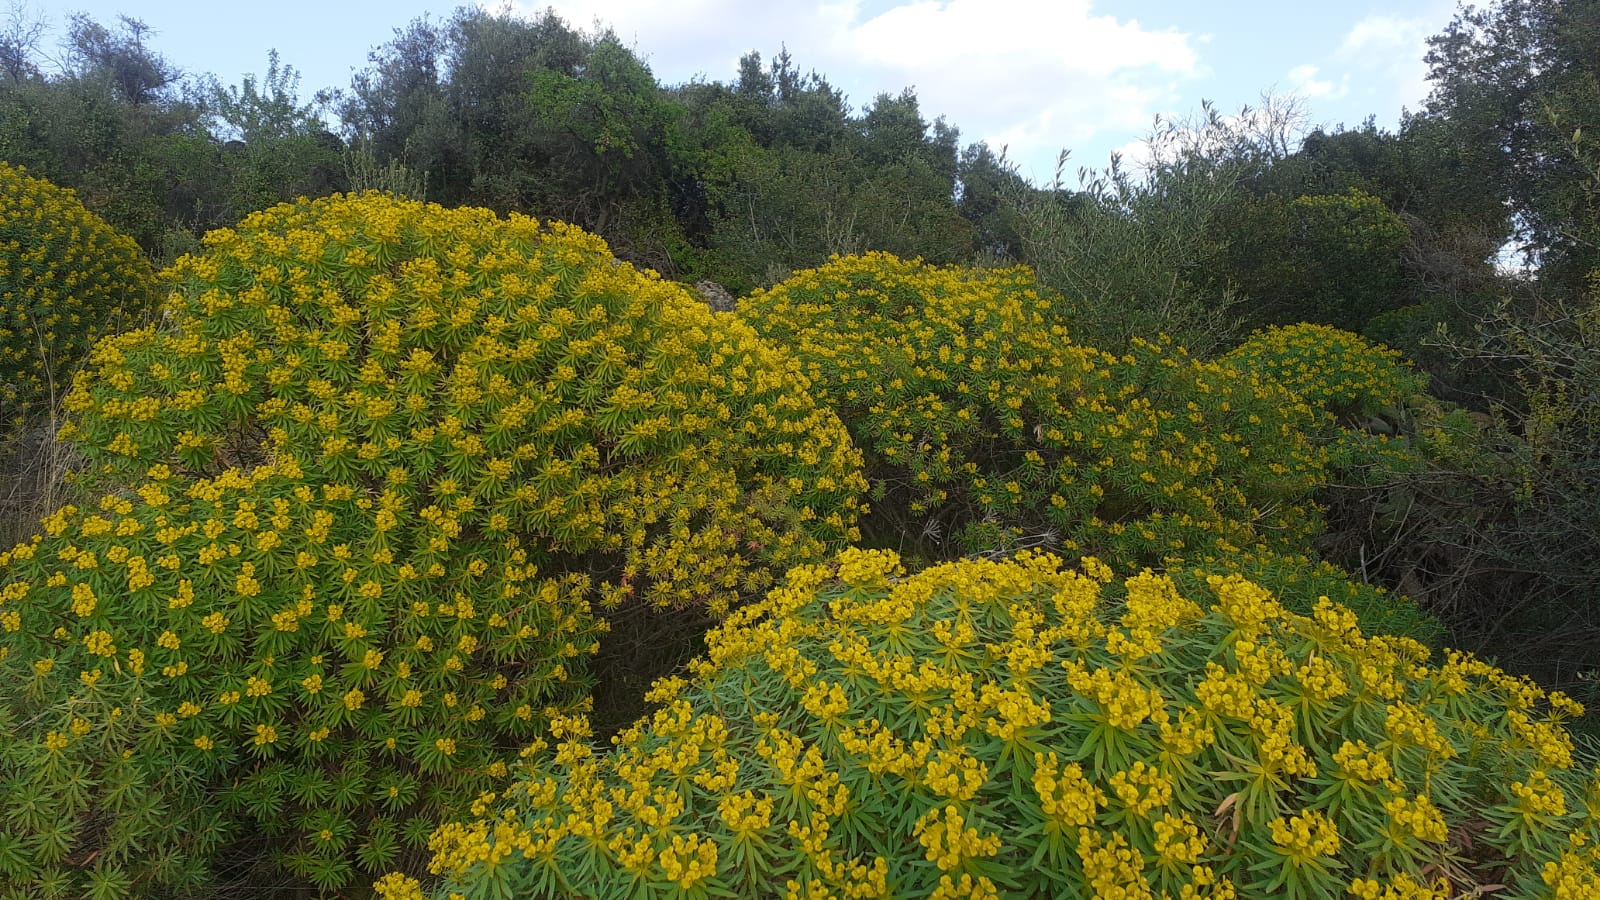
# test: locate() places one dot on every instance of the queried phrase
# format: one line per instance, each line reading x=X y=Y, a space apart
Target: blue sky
x=1035 y=76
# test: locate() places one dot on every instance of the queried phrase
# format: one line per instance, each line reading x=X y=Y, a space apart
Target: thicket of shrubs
x=985 y=425
x=353 y=518
x=368 y=492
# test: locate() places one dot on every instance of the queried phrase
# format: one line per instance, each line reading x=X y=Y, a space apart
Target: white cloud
x=1394 y=47
x=690 y=37
x=1036 y=75
x=1136 y=155
x=1383 y=32
x=1303 y=80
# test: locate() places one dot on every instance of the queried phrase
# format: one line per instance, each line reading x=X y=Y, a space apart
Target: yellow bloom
x=1064 y=794
x=1416 y=818
x=99 y=643
x=1305 y=837
x=688 y=861
x=947 y=840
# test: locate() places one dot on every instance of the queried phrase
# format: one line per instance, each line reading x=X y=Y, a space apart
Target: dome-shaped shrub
x=1010 y=728
x=512 y=375
x=1376 y=417
x=66 y=279
x=467 y=431
x=1331 y=369
x=983 y=422
x=264 y=654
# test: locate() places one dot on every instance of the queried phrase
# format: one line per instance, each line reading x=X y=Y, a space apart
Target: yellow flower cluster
x=987 y=424
x=1417 y=818
x=1305 y=836
x=153 y=621
x=1065 y=796
x=978 y=729
x=1402 y=887
x=1329 y=368
x=66 y=280
x=510 y=375
x=1573 y=876
x=949 y=843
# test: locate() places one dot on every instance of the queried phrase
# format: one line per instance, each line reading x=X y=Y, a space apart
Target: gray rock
x=715 y=296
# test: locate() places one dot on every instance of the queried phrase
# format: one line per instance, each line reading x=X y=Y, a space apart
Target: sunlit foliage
x=1020 y=728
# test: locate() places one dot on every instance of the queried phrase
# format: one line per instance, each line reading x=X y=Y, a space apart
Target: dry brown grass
x=33 y=466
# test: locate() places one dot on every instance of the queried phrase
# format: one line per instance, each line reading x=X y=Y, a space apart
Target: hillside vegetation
x=557 y=483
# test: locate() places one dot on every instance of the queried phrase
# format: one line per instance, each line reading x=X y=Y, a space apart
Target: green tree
x=986 y=180
x=1516 y=81
x=780 y=175
x=528 y=115
x=604 y=132
x=19 y=43
x=398 y=94
x=100 y=125
x=134 y=72
x=275 y=148
x=1133 y=254
x=112 y=125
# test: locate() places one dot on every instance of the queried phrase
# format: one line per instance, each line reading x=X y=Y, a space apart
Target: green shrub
x=1494 y=519
x=1351 y=245
x=467 y=439
x=1328 y=368
x=66 y=279
x=988 y=728
x=1300 y=581
x=1405 y=327
x=1334 y=259
x=984 y=425
x=514 y=375
x=264 y=650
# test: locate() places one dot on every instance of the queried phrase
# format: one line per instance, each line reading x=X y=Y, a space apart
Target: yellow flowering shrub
x=1376 y=419
x=1020 y=728
x=66 y=279
x=509 y=377
x=984 y=424
x=1301 y=580
x=371 y=486
x=1331 y=369
x=262 y=653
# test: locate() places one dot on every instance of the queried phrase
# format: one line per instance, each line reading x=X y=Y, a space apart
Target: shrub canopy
x=1020 y=728
x=984 y=424
x=513 y=375
x=1331 y=369
x=66 y=280
x=367 y=491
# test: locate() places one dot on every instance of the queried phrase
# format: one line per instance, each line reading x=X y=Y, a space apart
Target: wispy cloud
x=1393 y=46
x=1304 y=80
